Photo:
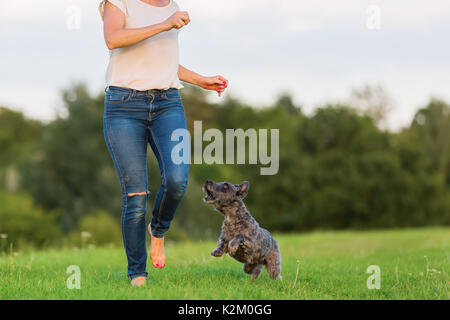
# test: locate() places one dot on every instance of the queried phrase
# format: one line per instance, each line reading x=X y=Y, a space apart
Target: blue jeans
x=131 y=120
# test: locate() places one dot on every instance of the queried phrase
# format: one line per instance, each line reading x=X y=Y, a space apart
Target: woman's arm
x=216 y=83
x=117 y=36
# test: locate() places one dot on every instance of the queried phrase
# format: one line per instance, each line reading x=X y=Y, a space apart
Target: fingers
x=185 y=16
x=216 y=83
x=223 y=80
x=182 y=19
x=179 y=24
x=223 y=84
x=220 y=89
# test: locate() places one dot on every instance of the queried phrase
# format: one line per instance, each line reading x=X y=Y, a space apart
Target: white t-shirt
x=151 y=63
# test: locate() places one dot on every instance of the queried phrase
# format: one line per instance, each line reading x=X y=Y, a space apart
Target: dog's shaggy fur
x=242 y=237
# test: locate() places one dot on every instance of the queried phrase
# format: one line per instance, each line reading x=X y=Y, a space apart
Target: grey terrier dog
x=242 y=237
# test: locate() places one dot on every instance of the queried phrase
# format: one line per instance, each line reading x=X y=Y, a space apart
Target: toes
x=159 y=264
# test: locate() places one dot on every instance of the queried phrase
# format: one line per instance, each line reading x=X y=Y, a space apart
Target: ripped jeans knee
x=135 y=207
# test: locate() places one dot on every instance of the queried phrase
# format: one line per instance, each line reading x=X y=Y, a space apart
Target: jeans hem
x=158 y=235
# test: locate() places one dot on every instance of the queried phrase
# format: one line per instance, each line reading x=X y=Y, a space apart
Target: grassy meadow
x=414 y=264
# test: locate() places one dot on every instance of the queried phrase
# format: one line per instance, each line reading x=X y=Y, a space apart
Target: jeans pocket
x=117 y=97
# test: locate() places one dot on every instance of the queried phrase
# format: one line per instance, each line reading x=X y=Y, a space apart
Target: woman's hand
x=178 y=20
x=216 y=83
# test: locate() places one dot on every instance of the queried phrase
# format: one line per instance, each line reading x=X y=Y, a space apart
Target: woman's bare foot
x=138 y=281
x=157 y=254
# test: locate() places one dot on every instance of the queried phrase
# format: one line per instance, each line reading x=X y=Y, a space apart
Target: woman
x=143 y=105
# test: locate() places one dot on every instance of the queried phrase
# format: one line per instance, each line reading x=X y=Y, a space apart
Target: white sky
x=317 y=50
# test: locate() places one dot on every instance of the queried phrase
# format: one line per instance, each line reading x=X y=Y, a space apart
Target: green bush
x=24 y=223
x=98 y=228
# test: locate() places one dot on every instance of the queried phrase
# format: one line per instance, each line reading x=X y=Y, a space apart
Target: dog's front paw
x=216 y=253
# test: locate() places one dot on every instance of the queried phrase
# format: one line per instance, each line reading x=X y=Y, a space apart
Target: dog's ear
x=243 y=189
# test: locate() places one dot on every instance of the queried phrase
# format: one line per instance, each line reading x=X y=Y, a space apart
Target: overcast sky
x=317 y=50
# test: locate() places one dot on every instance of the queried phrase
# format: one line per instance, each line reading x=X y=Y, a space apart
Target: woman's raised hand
x=178 y=20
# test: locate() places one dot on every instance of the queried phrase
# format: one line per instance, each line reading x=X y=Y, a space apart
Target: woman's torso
x=151 y=63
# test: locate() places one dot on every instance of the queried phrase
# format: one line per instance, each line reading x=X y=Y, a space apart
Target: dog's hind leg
x=273 y=264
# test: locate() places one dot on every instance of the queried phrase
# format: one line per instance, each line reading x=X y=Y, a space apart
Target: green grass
x=414 y=265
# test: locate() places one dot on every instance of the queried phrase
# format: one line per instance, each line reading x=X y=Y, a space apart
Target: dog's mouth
x=209 y=196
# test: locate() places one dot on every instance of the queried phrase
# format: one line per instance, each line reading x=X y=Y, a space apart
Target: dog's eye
x=225 y=187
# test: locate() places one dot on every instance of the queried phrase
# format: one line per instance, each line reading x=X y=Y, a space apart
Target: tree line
x=338 y=169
